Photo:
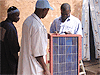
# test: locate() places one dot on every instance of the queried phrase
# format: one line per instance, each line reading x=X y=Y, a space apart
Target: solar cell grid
x=65 y=56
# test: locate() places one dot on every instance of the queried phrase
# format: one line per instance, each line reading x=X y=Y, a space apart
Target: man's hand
x=56 y=32
x=46 y=72
x=44 y=66
x=68 y=32
x=48 y=35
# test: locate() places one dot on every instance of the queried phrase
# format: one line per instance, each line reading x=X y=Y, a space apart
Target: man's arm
x=13 y=43
x=44 y=66
x=52 y=27
x=79 y=30
x=16 y=56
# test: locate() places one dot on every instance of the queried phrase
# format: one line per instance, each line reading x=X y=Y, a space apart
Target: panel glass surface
x=65 y=55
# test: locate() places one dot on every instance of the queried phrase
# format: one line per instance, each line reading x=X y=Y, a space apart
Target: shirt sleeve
x=79 y=29
x=39 y=42
x=13 y=41
x=52 y=28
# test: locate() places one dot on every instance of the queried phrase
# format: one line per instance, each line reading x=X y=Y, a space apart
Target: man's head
x=13 y=14
x=65 y=11
x=42 y=8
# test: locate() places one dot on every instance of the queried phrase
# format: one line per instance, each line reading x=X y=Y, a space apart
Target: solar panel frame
x=79 y=45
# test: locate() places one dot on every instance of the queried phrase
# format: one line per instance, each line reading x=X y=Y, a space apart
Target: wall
x=27 y=7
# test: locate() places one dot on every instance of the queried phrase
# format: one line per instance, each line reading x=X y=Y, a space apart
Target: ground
x=92 y=67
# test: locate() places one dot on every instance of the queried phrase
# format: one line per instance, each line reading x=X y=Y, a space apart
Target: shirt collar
x=37 y=18
x=68 y=19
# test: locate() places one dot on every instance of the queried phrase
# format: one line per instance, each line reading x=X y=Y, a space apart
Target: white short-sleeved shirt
x=33 y=44
x=71 y=24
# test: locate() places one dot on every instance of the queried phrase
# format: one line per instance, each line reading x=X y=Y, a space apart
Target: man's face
x=15 y=17
x=45 y=11
x=64 y=14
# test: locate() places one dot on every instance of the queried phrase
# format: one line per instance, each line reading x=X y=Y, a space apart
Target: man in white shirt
x=66 y=23
x=34 y=42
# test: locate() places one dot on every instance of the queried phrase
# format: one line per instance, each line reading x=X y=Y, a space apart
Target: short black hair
x=11 y=8
x=66 y=6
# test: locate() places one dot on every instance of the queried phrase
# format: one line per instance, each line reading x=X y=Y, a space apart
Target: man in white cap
x=34 y=42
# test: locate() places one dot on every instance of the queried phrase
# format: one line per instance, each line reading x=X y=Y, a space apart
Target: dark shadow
x=91 y=36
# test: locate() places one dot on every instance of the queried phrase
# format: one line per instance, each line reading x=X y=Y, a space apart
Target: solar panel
x=65 y=54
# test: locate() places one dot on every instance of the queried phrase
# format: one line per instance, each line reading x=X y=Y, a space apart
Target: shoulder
x=56 y=19
x=31 y=20
x=7 y=25
x=74 y=18
x=28 y=19
x=31 y=23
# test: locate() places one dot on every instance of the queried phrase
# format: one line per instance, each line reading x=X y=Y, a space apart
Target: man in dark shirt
x=9 y=43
